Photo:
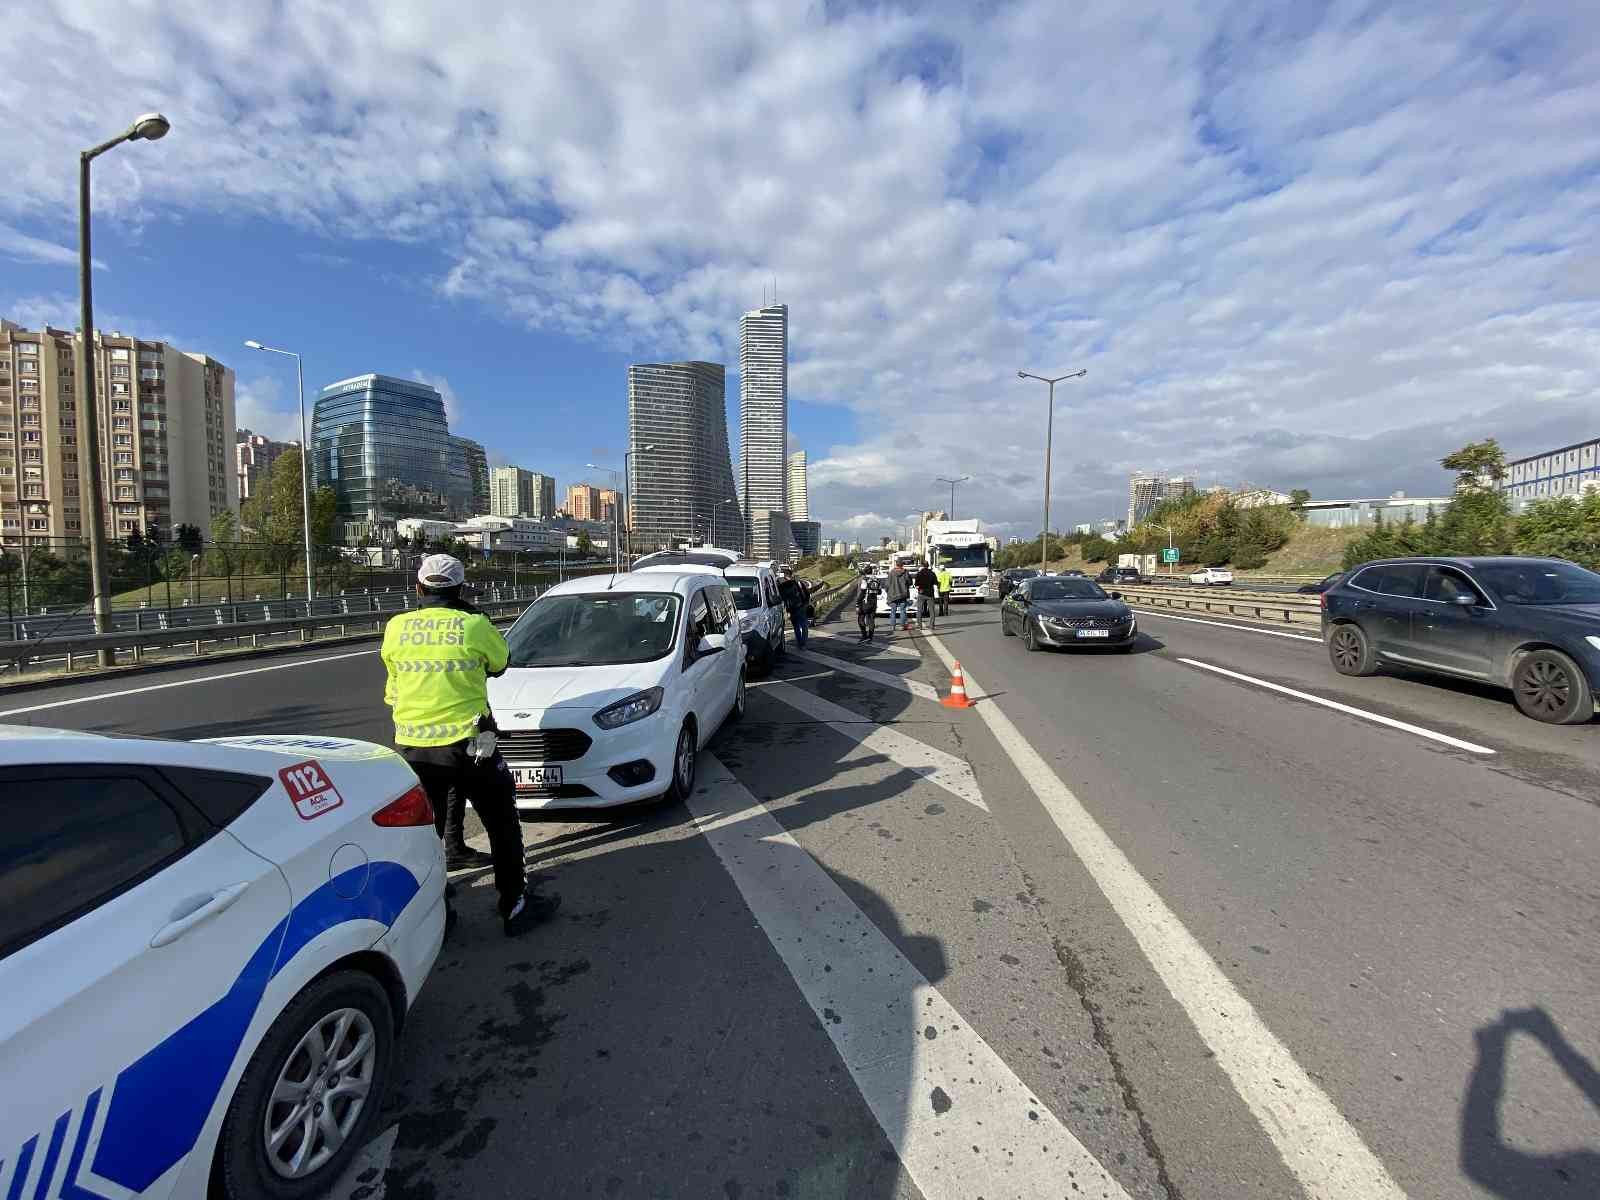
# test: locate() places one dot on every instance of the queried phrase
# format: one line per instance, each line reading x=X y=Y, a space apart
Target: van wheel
x=740 y=699
x=1350 y=651
x=684 y=765
x=310 y=1096
x=1550 y=687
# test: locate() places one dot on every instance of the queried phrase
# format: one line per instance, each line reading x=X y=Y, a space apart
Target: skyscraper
x=799 y=504
x=684 y=486
x=383 y=446
x=1148 y=489
x=510 y=492
x=764 y=419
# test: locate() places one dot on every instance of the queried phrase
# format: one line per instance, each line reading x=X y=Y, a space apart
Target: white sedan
x=615 y=682
x=207 y=950
x=1210 y=575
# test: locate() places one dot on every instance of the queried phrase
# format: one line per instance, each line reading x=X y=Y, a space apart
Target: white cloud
x=1302 y=248
x=22 y=247
x=262 y=405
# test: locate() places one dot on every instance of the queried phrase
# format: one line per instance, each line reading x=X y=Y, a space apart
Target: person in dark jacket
x=898 y=590
x=927 y=593
x=867 y=605
x=797 y=602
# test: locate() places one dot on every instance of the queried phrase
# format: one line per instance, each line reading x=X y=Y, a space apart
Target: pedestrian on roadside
x=797 y=602
x=945 y=580
x=439 y=658
x=927 y=593
x=867 y=605
x=898 y=589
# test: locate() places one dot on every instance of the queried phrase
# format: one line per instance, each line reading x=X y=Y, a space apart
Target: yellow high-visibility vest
x=439 y=661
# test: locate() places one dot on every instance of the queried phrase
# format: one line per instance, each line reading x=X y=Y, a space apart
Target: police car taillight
x=412 y=808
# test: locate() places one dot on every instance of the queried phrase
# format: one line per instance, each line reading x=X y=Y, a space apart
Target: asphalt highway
x=1155 y=924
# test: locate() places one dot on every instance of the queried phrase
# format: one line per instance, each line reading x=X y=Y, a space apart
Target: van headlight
x=625 y=712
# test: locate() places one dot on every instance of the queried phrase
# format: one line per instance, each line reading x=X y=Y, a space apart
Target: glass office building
x=383 y=446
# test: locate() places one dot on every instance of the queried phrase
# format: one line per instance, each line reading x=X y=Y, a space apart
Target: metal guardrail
x=1282 y=608
x=248 y=622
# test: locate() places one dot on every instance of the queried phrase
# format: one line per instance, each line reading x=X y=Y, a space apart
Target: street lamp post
x=1049 y=431
x=952 y=483
x=150 y=128
x=305 y=461
x=194 y=560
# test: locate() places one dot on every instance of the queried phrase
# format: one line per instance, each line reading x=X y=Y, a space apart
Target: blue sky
x=1294 y=245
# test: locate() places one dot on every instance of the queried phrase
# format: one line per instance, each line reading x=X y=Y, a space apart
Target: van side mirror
x=711 y=643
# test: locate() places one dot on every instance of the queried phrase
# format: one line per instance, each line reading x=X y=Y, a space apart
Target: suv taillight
x=412 y=808
x=1322 y=599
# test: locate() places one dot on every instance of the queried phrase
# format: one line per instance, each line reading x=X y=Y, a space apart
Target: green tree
x=585 y=544
x=275 y=514
x=1298 y=498
x=1477 y=464
x=224 y=553
x=1561 y=528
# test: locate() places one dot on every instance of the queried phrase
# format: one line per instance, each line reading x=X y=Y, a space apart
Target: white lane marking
x=1344 y=708
x=954 y=775
x=871 y=674
x=1320 y=1147
x=1299 y=637
x=876 y=1007
x=157 y=687
x=374 y=1155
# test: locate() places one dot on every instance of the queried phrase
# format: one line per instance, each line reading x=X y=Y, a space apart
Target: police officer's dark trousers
x=493 y=794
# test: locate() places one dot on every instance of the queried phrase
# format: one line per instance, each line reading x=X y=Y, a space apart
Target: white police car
x=206 y=953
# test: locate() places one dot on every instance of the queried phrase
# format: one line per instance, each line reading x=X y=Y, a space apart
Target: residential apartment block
x=167 y=436
x=1554 y=473
x=253 y=456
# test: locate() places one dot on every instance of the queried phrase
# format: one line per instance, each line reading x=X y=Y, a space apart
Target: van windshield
x=746 y=591
x=600 y=629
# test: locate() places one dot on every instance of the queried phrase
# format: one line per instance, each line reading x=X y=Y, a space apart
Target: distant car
x=1127 y=575
x=1108 y=575
x=1528 y=624
x=1211 y=575
x=208 y=950
x=614 y=685
x=1322 y=585
x=1072 y=573
x=1014 y=575
x=1056 y=611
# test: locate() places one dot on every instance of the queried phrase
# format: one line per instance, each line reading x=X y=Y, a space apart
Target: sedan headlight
x=625 y=712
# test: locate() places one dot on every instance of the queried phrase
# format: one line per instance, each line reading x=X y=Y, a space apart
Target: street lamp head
x=151 y=127
x=253 y=345
x=1022 y=375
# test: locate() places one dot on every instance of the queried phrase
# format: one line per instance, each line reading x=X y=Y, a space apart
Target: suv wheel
x=1350 y=651
x=1549 y=686
x=310 y=1096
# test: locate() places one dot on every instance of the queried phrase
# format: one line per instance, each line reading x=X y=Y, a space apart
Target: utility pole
x=1049 y=431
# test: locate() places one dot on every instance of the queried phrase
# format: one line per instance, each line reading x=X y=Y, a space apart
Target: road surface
x=1163 y=924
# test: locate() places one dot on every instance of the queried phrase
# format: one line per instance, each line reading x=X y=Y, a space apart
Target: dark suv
x=1528 y=624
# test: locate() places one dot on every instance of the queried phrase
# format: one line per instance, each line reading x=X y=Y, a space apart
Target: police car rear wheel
x=310 y=1096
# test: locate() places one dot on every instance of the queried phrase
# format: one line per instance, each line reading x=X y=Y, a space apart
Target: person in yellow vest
x=439 y=657
x=944 y=589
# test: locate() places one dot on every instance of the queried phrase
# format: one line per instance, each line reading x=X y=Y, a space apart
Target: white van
x=762 y=621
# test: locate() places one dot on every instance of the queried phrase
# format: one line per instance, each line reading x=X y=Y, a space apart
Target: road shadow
x=1499 y=696
x=650 y=1041
x=1486 y=1157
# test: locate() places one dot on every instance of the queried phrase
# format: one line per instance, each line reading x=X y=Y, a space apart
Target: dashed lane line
x=177 y=683
x=945 y=770
x=960 y=1120
x=916 y=687
x=1349 y=710
x=1277 y=633
x=1319 y=1146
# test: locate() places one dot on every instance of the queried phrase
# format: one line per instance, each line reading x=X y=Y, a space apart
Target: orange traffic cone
x=958 y=691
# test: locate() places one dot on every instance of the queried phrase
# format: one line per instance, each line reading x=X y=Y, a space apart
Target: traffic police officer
x=439 y=658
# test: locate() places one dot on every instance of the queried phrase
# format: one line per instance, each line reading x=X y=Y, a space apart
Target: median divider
x=1276 y=608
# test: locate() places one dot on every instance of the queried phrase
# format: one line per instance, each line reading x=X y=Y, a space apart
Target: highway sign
x=1169 y=555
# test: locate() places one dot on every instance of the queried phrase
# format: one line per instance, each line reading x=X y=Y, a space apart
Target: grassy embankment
x=1310 y=551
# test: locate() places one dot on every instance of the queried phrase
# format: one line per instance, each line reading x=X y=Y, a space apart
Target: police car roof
x=678 y=580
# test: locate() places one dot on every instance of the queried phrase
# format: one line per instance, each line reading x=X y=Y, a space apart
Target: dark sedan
x=1059 y=611
x=1015 y=575
x=1528 y=624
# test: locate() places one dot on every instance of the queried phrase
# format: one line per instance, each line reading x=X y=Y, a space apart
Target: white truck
x=963 y=549
x=1145 y=564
